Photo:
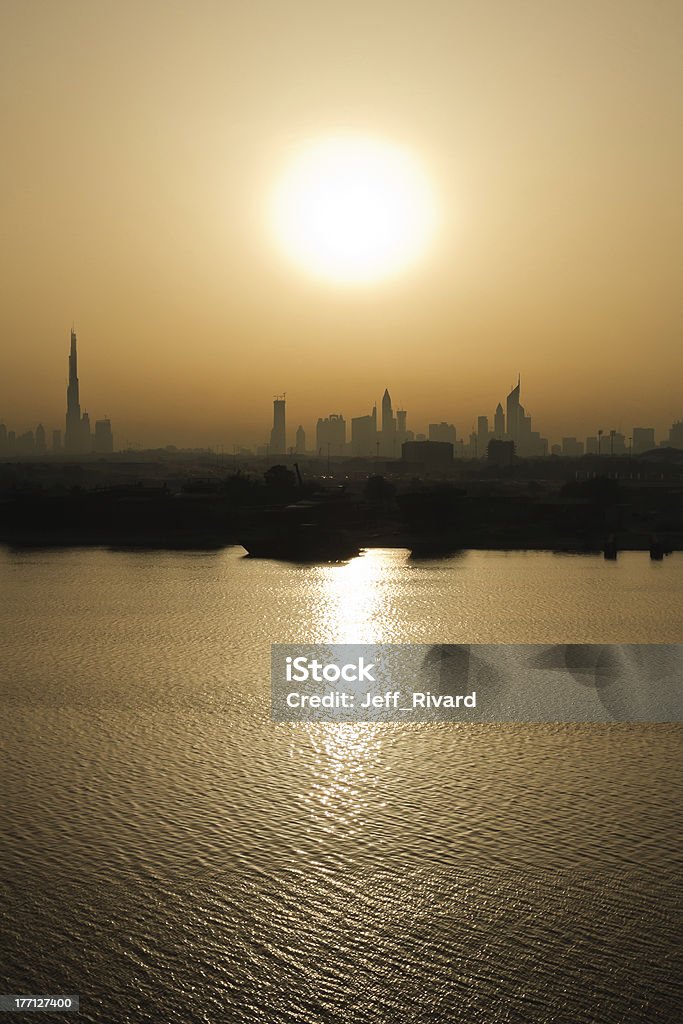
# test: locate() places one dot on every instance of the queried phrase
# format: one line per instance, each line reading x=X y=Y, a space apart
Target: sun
x=353 y=209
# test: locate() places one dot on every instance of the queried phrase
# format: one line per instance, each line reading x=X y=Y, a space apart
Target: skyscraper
x=73 y=433
x=41 y=446
x=330 y=435
x=278 y=435
x=514 y=413
x=103 y=441
x=364 y=433
x=499 y=423
x=388 y=438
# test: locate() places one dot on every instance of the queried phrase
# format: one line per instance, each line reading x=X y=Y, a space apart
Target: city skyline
x=380 y=432
x=137 y=204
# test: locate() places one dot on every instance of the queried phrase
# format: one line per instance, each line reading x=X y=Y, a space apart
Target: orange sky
x=139 y=144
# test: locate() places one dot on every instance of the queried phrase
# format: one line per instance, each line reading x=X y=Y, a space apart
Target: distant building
x=433 y=455
x=103 y=440
x=499 y=423
x=41 y=445
x=86 y=436
x=616 y=443
x=278 y=435
x=571 y=448
x=77 y=437
x=388 y=435
x=483 y=434
x=25 y=444
x=364 y=435
x=500 y=453
x=643 y=439
x=444 y=432
x=300 y=441
x=330 y=435
x=591 y=445
x=676 y=434
x=514 y=413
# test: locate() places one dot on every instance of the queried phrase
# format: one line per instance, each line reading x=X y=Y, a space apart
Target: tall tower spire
x=73 y=432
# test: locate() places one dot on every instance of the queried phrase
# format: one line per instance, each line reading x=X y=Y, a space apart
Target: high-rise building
x=278 y=435
x=41 y=446
x=643 y=439
x=77 y=437
x=499 y=423
x=514 y=413
x=330 y=435
x=86 y=436
x=571 y=448
x=443 y=432
x=73 y=435
x=364 y=436
x=103 y=439
x=25 y=444
x=388 y=438
x=676 y=434
x=527 y=442
x=300 y=442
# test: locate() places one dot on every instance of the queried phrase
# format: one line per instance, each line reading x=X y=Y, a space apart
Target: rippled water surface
x=174 y=856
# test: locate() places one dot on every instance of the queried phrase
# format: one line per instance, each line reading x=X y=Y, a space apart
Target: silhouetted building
x=500 y=453
x=643 y=439
x=364 y=435
x=388 y=438
x=278 y=435
x=25 y=444
x=432 y=455
x=330 y=435
x=676 y=434
x=103 y=441
x=444 y=432
x=527 y=442
x=616 y=443
x=300 y=441
x=77 y=437
x=86 y=436
x=3 y=439
x=592 y=445
x=572 y=448
x=514 y=413
x=73 y=435
x=41 y=446
x=499 y=423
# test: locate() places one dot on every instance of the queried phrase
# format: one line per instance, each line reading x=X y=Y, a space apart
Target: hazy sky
x=140 y=142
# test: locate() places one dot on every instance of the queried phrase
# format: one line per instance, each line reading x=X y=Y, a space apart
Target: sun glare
x=353 y=209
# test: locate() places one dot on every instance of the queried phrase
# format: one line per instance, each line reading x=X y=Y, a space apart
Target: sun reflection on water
x=344 y=771
x=357 y=600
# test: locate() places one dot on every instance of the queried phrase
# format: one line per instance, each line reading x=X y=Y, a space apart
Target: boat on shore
x=300 y=532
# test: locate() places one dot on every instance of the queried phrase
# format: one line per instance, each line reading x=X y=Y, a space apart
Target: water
x=176 y=857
